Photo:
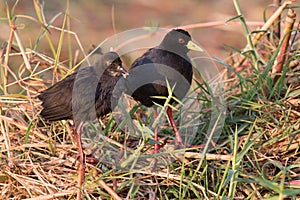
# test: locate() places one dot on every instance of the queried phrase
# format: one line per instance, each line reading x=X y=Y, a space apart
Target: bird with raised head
x=159 y=67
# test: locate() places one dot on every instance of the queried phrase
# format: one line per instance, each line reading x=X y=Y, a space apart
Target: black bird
x=167 y=63
x=83 y=96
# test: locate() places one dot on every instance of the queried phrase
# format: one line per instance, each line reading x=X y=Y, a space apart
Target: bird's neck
x=175 y=51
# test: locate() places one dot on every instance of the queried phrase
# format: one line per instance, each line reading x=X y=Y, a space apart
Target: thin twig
x=110 y=191
x=277 y=26
x=25 y=59
x=52 y=196
x=207 y=156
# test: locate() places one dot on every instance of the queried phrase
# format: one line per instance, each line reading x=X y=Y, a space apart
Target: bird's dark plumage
x=168 y=61
x=86 y=93
x=166 y=64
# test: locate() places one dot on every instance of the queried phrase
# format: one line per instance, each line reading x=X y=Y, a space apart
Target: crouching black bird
x=163 y=65
x=83 y=96
x=94 y=81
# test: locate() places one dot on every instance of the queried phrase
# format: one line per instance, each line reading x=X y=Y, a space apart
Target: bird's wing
x=147 y=58
x=84 y=94
x=57 y=100
x=73 y=95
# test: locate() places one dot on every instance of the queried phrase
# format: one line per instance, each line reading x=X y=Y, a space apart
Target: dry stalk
x=256 y=37
x=278 y=64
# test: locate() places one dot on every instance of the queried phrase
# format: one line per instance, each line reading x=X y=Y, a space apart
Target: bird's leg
x=156 y=146
x=178 y=139
x=81 y=167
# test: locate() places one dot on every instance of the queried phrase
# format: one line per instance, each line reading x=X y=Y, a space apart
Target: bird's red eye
x=181 y=40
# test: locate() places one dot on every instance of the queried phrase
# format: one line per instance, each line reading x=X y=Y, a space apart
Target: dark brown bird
x=168 y=63
x=83 y=96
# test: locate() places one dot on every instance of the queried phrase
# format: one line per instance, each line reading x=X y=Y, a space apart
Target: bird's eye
x=181 y=40
x=108 y=63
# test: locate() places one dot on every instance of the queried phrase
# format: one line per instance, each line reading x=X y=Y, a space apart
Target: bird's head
x=179 y=41
x=113 y=64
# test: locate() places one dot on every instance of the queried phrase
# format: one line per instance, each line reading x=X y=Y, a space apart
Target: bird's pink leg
x=156 y=146
x=81 y=167
x=178 y=139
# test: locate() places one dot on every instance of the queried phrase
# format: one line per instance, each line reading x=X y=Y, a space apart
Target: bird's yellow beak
x=193 y=46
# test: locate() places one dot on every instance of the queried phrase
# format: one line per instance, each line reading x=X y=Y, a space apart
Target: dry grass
x=256 y=157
